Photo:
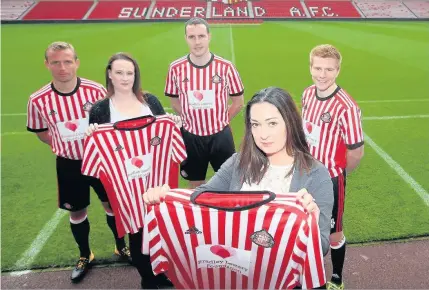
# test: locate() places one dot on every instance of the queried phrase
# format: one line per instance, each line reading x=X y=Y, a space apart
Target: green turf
x=382 y=61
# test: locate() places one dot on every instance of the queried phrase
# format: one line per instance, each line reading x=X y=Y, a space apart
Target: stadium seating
x=384 y=9
x=214 y=11
x=237 y=10
x=419 y=8
x=278 y=9
x=332 y=9
x=179 y=9
x=120 y=10
x=13 y=9
x=59 y=10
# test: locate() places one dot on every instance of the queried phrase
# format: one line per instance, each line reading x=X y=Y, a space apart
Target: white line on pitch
x=394 y=101
x=39 y=242
x=231 y=41
x=424 y=195
x=395 y=117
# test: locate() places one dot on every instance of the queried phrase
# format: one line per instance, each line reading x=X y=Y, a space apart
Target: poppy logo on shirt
x=155 y=141
x=216 y=79
x=87 y=106
x=262 y=238
x=198 y=95
x=137 y=162
x=71 y=125
x=309 y=127
x=222 y=252
x=326 y=117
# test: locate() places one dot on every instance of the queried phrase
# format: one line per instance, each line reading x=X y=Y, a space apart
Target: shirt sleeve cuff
x=171 y=95
x=237 y=94
x=354 y=146
x=37 y=130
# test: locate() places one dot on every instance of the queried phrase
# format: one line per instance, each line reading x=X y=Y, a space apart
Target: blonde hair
x=325 y=51
x=60 y=45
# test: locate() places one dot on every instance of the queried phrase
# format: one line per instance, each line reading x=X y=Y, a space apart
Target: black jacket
x=100 y=111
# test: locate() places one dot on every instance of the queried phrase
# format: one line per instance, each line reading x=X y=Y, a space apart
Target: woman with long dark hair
x=125 y=99
x=273 y=156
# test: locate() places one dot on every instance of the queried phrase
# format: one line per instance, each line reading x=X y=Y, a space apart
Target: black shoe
x=81 y=268
x=124 y=254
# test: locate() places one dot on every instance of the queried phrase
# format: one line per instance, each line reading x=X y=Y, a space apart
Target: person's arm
x=37 y=124
x=321 y=189
x=354 y=157
x=45 y=137
x=171 y=90
x=351 y=127
x=175 y=104
x=236 y=106
x=236 y=92
x=221 y=181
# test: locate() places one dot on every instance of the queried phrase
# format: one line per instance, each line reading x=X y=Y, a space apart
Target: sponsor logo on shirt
x=138 y=166
x=221 y=256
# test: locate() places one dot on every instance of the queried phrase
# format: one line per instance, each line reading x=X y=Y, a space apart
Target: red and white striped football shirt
x=203 y=92
x=331 y=125
x=130 y=157
x=246 y=242
x=64 y=115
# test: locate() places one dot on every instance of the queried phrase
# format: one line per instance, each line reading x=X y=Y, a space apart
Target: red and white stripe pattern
x=178 y=230
x=339 y=119
x=219 y=80
x=49 y=110
x=110 y=153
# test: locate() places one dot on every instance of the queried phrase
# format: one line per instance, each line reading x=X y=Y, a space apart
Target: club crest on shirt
x=87 y=106
x=155 y=141
x=216 y=79
x=325 y=117
x=262 y=238
x=304 y=108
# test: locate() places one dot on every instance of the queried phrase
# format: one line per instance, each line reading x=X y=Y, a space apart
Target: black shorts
x=73 y=186
x=339 y=183
x=202 y=150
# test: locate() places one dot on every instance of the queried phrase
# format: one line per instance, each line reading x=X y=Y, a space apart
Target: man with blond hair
x=333 y=128
x=58 y=114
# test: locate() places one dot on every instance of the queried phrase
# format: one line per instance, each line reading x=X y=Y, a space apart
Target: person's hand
x=91 y=129
x=176 y=119
x=155 y=195
x=307 y=201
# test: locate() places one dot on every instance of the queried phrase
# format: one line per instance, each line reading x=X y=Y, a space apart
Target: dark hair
x=196 y=21
x=137 y=89
x=253 y=161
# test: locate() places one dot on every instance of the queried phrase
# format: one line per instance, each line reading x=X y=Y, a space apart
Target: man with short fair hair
x=200 y=85
x=333 y=126
x=58 y=114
